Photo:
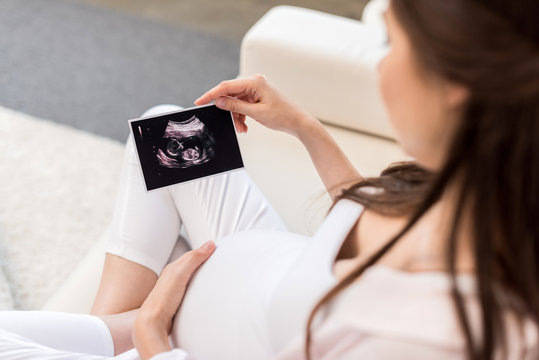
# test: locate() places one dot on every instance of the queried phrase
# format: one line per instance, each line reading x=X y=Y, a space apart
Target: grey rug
x=94 y=69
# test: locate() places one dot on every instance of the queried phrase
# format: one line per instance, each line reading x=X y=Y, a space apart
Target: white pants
x=146 y=225
x=145 y=229
x=53 y=335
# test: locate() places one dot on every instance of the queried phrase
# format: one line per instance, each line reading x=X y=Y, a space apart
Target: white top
x=251 y=300
x=252 y=297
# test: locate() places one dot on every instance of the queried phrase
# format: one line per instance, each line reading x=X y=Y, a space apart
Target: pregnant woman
x=435 y=259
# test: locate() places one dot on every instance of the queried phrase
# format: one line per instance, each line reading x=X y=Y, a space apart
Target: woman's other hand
x=154 y=321
x=255 y=97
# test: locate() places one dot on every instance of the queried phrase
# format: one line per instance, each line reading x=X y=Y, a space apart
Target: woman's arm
x=257 y=98
x=333 y=166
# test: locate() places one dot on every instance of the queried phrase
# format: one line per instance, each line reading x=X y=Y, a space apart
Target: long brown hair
x=491 y=47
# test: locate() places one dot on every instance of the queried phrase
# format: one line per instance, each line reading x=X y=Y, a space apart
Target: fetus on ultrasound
x=185 y=144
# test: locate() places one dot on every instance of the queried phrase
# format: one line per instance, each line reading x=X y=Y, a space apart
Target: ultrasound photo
x=185 y=145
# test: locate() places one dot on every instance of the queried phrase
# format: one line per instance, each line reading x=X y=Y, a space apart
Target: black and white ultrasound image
x=186 y=145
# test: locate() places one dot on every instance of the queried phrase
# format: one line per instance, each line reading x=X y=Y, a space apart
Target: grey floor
x=226 y=19
x=94 y=64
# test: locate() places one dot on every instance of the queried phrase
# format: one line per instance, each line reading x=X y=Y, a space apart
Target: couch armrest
x=373 y=13
x=77 y=293
x=326 y=63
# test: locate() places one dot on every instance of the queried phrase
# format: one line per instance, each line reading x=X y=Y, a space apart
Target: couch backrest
x=326 y=63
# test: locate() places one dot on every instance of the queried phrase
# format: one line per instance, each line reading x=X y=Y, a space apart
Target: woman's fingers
x=242 y=97
x=225 y=88
x=195 y=258
x=257 y=98
x=236 y=105
x=177 y=274
x=154 y=320
x=239 y=121
x=238 y=118
x=244 y=87
x=167 y=295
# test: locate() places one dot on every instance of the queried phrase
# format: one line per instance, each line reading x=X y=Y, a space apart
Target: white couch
x=325 y=63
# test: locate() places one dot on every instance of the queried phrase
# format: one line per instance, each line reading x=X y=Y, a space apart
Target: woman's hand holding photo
x=255 y=97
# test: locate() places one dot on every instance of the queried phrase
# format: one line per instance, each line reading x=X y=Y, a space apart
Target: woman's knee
x=161 y=109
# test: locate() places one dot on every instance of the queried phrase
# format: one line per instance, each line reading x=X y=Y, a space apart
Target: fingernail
x=220 y=102
x=208 y=244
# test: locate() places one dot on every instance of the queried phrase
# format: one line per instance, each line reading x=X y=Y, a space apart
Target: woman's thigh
x=146 y=225
x=213 y=207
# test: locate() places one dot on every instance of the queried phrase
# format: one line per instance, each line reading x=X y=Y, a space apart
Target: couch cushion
x=373 y=14
x=77 y=292
x=282 y=168
x=329 y=66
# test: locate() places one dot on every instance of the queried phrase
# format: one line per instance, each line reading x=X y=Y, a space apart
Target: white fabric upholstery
x=283 y=170
x=324 y=62
x=373 y=14
x=78 y=292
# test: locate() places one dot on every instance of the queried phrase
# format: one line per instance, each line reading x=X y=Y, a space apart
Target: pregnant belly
x=223 y=314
